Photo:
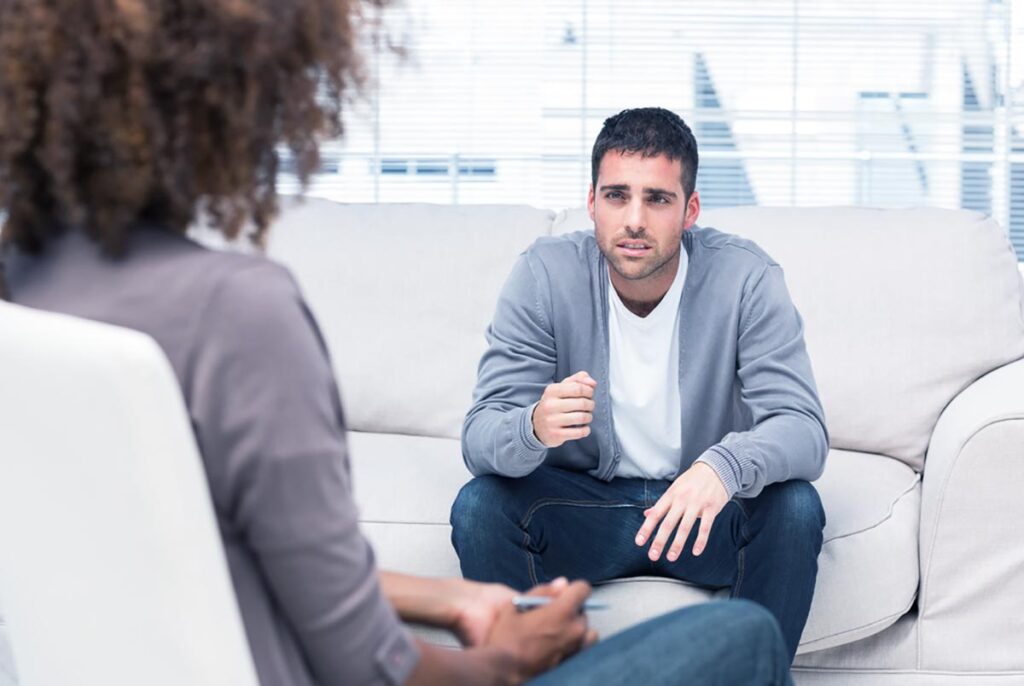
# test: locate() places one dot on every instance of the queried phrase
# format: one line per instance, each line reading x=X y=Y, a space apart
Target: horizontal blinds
x=886 y=103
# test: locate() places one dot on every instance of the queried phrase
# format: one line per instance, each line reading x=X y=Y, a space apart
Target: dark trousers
x=712 y=644
x=556 y=522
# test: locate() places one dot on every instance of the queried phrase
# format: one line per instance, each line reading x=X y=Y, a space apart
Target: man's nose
x=635 y=215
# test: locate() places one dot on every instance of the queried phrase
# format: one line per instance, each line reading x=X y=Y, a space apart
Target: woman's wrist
x=437 y=602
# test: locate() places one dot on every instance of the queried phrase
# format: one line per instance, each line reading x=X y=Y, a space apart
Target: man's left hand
x=698 y=493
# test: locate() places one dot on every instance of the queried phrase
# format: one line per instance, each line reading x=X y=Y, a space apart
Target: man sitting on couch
x=646 y=379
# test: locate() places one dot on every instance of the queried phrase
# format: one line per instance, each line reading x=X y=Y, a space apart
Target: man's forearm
x=501 y=442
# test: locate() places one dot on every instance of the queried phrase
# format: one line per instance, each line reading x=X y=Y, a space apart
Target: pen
x=528 y=602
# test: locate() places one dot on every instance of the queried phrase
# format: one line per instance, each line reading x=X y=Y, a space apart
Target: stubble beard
x=653 y=267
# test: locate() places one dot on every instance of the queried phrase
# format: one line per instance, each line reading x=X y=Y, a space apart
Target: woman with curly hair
x=122 y=121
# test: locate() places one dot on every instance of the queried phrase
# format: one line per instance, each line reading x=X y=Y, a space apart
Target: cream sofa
x=915 y=327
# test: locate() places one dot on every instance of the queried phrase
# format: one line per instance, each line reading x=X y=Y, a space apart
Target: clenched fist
x=565 y=410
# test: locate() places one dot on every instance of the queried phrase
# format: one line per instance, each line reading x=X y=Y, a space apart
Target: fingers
x=579 y=385
x=706 y=520
x=582 y=377
x=558 y=629
x=570 y=389
x=682 y=533
x=553 y=430
x=570 y=599
x=697 y=494
x=551 y=589
x=668 y=525
x=567 y=598
x=574 y=419
x=653 y=516
x=570 y=405
x=568 y=413
x=686 y=520
x=565 y=410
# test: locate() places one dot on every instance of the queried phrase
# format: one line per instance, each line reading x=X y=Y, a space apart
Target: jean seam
x=530 y=566
x=544 y=502
x=740 y=558
x=741 y=553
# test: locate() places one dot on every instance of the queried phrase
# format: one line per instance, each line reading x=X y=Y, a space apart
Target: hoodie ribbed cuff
x=526 y=435
x=727 y=465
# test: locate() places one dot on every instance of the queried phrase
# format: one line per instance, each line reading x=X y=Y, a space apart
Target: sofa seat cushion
x=868 y=567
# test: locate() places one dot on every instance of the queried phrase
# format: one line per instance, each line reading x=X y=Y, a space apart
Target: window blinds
x=885 y=103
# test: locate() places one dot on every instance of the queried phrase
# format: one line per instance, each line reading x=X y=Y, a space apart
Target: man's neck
x=640 y=308
x=641 y=296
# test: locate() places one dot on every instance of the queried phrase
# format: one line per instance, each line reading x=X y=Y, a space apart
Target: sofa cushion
x=403 y=294
x=902 y=310
x=868 y=567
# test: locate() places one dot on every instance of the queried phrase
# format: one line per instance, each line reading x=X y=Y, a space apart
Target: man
x=646 y=404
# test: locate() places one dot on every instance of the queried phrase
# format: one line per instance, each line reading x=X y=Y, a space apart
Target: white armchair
x=111 y=564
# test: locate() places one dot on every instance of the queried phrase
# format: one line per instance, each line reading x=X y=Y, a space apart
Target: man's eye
x=613 y=195
x=659 y=199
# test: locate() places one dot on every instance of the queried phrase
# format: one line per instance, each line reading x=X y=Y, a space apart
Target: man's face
x=640 y=214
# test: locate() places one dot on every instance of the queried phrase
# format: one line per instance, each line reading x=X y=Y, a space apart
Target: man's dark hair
x=649 y=131
x=114 y=112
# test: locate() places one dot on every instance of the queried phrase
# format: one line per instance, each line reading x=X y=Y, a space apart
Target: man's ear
x=692 y=210
x=590 y=202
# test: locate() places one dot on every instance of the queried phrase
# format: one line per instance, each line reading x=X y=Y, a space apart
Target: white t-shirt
x=644 y=382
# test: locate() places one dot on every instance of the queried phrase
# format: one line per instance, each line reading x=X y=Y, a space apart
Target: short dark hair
x=649 y=131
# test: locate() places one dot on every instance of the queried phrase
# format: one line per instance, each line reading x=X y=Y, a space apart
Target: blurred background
x=884 y=103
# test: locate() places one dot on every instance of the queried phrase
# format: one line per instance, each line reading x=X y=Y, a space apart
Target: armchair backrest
x=112 y=570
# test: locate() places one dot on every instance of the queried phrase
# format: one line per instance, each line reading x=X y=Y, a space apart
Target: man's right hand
x=565 y=410
x=540 y=639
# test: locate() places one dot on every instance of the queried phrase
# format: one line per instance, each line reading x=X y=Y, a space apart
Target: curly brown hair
x=114 y=112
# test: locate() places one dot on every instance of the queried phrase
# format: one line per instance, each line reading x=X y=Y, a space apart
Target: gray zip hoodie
x=749 y=404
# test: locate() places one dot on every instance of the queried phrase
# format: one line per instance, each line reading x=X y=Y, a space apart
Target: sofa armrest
x=972 y=591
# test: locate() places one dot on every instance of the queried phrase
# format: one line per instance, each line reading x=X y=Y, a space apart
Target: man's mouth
x=633 y=248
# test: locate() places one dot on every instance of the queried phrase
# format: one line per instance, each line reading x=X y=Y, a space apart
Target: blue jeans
x=555 y=522
x=719 y=643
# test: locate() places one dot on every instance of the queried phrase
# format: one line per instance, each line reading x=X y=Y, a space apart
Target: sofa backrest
x=902 y=310
x=403 y=294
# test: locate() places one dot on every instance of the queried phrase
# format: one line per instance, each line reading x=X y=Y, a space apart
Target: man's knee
x=791 y=512
x=796 y=506
x=480 y=508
